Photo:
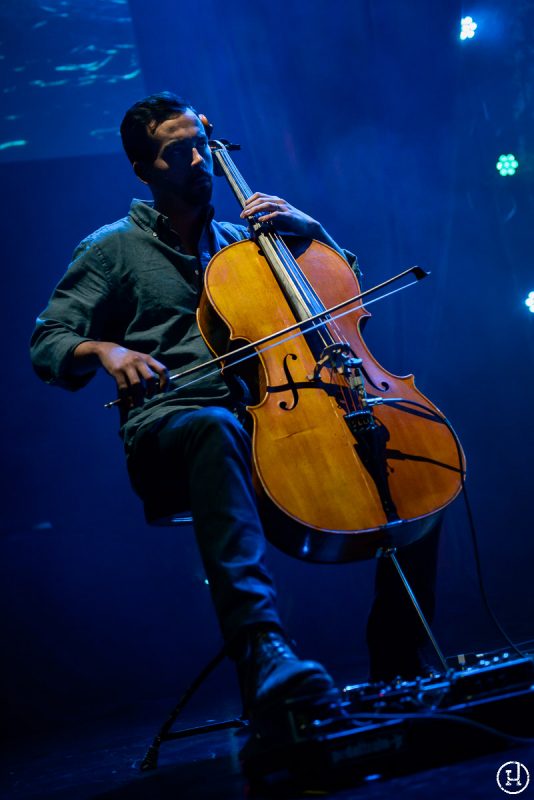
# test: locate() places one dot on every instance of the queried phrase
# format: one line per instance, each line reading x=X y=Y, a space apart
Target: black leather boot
x=270 y=672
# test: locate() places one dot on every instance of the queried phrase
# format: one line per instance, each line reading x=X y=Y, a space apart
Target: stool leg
x=150 y=760
x=391 y=553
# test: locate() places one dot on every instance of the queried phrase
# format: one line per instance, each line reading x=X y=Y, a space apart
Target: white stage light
x=468 y=27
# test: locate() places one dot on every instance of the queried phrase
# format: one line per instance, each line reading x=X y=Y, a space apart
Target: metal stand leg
x=391 y=553
x=165 y=734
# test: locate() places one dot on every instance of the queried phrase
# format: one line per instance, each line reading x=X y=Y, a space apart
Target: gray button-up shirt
x=131 y=283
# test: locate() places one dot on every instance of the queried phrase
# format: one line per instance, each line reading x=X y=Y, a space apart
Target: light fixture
x=468 y=27
x=507 y=164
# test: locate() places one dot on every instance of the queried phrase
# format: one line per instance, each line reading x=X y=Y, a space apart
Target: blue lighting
x=468 y=27
x=507 y=164
x=529 y=302
x=65 y=53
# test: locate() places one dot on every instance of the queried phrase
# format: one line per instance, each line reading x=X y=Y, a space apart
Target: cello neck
x=298 y=291
x=224 y=163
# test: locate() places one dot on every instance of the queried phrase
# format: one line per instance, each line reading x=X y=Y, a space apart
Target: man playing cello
x=128 y=304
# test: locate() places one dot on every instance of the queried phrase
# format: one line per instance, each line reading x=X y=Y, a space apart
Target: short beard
x=198 y=192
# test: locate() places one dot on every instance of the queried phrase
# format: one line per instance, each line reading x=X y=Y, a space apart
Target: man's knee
x=216 y=416
x=220 y=427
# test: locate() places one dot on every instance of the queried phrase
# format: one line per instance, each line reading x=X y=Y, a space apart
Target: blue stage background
x=372 y=117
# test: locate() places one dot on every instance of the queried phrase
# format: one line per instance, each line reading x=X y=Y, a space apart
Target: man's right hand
x=137 y=375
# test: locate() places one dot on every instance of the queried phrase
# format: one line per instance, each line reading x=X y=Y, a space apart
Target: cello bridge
x=339 y=357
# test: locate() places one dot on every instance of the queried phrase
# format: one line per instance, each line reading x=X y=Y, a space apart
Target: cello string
x=288 y=338
x=267 y=239
x=286 y=263
x=284 y=260
x=290 y=334
x=239 y=184
x=283 y=257
x=307 y=293
x=279 y=249
x=341 y=380
x=270 y=244
x=319 y=319
x=317 y=305
x=351 y=401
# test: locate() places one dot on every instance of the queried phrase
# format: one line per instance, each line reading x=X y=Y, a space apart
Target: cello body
x=330 y=487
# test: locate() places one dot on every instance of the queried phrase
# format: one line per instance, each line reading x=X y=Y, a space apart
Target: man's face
x=183 y=165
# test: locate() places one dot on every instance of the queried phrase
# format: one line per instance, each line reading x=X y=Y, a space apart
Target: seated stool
x=158 y=515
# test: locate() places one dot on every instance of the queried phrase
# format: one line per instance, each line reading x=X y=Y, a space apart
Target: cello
x=348 y=458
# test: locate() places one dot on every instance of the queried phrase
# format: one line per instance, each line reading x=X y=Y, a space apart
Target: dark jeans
x=201 y=460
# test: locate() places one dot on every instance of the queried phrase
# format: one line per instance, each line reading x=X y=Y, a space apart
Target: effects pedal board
x=402 y=726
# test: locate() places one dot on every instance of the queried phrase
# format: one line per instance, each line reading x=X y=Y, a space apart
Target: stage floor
x=103 y=762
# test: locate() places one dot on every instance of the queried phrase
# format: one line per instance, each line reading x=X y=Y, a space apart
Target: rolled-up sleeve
x=352 y=261
x=74 y=314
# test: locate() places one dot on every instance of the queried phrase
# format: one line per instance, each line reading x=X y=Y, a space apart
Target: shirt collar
x=145 y=215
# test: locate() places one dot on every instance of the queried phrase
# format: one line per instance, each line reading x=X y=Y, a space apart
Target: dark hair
x=148 y=114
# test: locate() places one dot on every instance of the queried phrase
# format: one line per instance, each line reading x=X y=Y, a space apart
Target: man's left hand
x=284 y=217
